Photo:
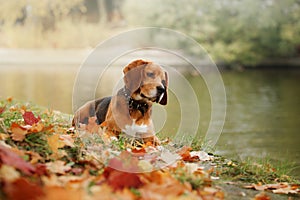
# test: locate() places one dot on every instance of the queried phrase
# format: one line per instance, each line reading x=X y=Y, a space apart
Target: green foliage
x=38 y=13
x=236 y=32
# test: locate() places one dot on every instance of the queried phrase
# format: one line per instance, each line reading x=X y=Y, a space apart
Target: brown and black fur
x=145 y=83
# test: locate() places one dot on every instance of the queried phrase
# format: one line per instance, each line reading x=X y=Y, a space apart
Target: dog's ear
x=164 y=99
x=133 y=73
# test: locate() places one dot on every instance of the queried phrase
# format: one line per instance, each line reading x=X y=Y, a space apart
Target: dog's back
x=93 y=108
x=101 y=106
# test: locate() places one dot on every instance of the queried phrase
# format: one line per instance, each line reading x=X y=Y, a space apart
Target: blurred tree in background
x=236 y=32
x=242 y=32
x=36 y=12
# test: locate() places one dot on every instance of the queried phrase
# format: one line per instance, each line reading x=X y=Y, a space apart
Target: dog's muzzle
x=160 y=93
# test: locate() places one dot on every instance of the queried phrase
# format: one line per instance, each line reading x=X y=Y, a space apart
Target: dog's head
x=146 y=81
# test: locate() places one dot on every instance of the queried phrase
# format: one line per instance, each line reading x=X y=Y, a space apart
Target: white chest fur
x=135 y=129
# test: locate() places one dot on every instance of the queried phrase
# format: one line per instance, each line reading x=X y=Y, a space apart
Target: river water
x=263 y=115
x=263 y=107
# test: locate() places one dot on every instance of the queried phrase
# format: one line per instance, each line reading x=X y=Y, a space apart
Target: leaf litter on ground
x=43 y=157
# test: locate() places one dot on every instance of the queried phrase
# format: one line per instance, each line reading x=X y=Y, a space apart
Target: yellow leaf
x=54 y=143
x=37 y=127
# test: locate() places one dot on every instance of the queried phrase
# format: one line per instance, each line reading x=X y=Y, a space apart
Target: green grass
x=252 y=170
x=35 y=142
x=263 y=171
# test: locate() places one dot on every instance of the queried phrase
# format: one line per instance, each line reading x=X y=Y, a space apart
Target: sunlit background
x=256 y=45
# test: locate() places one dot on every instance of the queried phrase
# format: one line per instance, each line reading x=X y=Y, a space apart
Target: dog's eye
x=150 y=74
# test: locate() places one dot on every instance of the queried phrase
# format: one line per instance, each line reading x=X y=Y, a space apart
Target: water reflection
x=262 y=114
x=51 y=87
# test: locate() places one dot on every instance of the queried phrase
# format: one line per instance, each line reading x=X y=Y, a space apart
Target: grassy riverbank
x=42 y=157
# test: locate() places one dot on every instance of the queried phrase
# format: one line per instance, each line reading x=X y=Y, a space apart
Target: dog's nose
x=160 y=90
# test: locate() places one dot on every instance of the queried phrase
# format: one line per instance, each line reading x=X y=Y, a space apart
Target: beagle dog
x=129 y=111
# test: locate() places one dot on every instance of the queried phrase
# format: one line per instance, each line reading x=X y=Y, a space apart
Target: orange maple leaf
x=37 y=127
x=18 y=132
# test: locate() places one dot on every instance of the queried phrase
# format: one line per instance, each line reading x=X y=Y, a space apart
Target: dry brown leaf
x=258 y=187
x=58 y=167
x=184 y=152
x=18 y=132
x=277 y=185
x=92 y=125
x=278 y=188
x=286 y=190
x=67 y=140
x=34 y=157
